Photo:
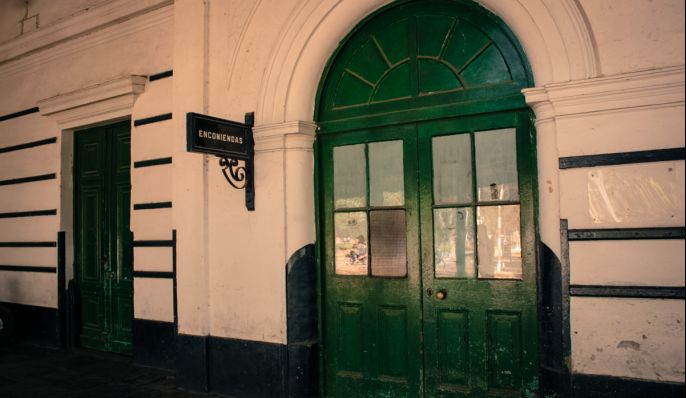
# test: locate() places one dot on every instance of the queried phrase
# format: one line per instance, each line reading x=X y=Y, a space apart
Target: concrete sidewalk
x=35 y=372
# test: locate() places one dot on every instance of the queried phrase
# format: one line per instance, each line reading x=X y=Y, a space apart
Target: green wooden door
x=478 y=260
x=427 y=171
x=429 y=263
x=102 y=236
x=373 y=295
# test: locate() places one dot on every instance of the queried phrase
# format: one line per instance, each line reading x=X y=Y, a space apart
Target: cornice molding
x=75 y=45
x=291 y=135
x=104 y=101
x=651 y=88
x=111 y=13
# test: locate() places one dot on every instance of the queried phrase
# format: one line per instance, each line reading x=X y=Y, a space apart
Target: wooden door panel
x=372 y=315
x=504 y=350
x=102 y=236
x=474 y=330
x=452 y=346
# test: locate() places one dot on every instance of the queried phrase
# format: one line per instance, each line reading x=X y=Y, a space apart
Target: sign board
x=225 y=138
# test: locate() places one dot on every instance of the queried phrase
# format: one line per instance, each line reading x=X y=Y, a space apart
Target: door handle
x=441 y=295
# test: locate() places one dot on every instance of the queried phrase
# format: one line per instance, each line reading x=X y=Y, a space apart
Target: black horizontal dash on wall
x=28 y=244
x=28 y=145
x=610 y=159
x=23 y=180
x=18 y=114
x=152 y=119
x=161 y=75
x=153 y=243
x=657 y=292
x=28 y=268
x=151 y=162
x=34 y=213
x=154 y=205
x=153 y=274
x=626 y=234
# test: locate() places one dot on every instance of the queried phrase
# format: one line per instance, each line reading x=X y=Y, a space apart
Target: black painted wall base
x=592 y=386
x=35 y=325
x=154 y=344
x=243 y=368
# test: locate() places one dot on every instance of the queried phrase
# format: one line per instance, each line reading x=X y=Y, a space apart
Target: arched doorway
x=427 y=229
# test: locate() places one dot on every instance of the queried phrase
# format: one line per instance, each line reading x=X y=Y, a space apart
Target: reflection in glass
x=452 y=168
x=386 y=184
x=351 y=243
x=387 y=242
x=499 y=242
x=496 y=165
x=349 y=176
x=454 y=243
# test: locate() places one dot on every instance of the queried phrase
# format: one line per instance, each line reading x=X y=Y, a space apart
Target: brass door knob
x=441 y=295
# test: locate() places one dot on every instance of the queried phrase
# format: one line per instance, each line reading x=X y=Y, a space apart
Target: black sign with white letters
x=225 y=138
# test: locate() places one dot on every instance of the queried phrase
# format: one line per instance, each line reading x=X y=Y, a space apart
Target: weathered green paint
x=482 y=339
x=102 y=195
x=413 y=71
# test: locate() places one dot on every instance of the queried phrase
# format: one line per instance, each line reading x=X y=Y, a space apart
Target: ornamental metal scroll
x=232 y=142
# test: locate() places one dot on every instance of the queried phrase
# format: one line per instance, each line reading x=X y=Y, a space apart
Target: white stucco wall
x=608 y=77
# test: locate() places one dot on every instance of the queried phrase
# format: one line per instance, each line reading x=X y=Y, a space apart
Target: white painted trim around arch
x=555 y=36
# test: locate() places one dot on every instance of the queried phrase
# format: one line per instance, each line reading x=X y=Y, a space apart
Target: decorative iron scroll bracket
x=241 y=176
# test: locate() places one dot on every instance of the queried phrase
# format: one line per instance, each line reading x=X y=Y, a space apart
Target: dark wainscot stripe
x=151 y=162
x=18 y=114
x=611 y=387
x=153 y=274
x=611 y=159
x=151 y=206
x=34 y=213
x=626 y=234
x=301 y=315
x=35 y=325
x=154 y=343
x=153 y=243
x=28 y=268
x=152 y=119
x=653 y=292
x=28 y=145
x=161 y=75
x=28 y=244
x=175 y=301
x=22 y=180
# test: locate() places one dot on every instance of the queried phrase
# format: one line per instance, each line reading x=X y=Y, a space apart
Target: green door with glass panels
x=426 y=171
x=103 y=252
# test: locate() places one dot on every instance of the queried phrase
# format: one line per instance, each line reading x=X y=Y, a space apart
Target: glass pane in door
x=452 y=169
x=499 y=242
x=386 y=185
x=349 y=176
x=496 y=165
x=351 y=243
x=454 y=243
x=388 y=243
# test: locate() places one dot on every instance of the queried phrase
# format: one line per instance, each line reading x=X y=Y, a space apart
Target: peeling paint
x=629 y=344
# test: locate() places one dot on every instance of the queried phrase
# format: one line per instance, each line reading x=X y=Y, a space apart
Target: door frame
x=69 y=196
x=553 y=375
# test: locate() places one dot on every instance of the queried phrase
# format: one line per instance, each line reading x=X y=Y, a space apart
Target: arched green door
x=426 y=169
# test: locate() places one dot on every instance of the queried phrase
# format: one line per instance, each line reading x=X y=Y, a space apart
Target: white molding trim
x=288 y=136
x=147 y=19
x=94 y=104
x=645 y=89
x=94 y=19
x=555 y=36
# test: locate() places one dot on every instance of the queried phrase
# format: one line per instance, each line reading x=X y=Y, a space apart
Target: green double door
x=429 y=284
x=102 y=236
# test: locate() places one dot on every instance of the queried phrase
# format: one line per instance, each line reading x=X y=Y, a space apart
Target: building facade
x=451 y=198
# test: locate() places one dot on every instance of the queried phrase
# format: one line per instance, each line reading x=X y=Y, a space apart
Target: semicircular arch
x=555 y=37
